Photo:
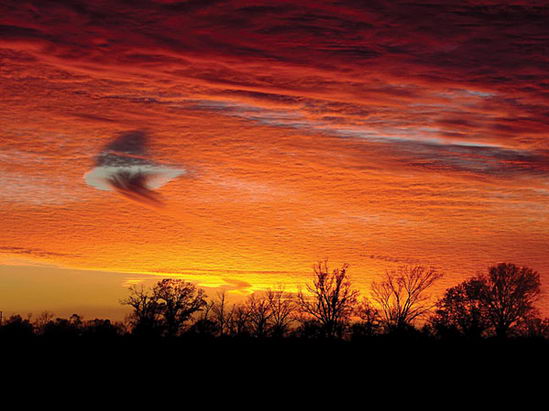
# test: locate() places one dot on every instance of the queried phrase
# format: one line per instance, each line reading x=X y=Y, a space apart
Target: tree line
x=497 y=304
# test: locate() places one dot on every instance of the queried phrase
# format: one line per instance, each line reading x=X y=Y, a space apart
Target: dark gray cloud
x=36 y=252
x=124 y=166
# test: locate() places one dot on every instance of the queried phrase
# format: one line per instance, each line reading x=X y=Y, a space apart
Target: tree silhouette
x=263 y=314
x=165 y=308
x=534 y=327
x=309 y=329
x=219 y=313
x=41 y=321
x=460 y=312
x=269 y=313
x=402 y=296
x=259 y=315
x=508 y=294
x=145 y=317
x=16 y=327
x=239 y=321
x=101 y=329
x=64 y=328
x=330 y=298
x=369 y=322
x=282 y=306
x=177 y=301
x=500 y=301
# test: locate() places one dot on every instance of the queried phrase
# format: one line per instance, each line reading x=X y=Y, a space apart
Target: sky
x=235 y=143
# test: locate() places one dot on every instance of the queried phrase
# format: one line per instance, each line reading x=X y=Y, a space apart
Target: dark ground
x=378 y=373
x=264 y=357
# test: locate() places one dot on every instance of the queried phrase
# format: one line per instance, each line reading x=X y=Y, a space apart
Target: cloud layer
x=310 y=129
x=467 y=75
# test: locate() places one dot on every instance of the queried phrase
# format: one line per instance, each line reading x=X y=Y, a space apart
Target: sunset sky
x=377 y=133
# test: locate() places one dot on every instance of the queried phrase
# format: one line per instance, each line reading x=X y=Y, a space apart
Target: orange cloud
x=368 y=133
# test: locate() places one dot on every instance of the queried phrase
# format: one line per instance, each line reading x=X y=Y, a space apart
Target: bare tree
x=330 y=298
x=369 y=320
x=402 y=296
x=144 y=318
x=239 y=320
x=259 y=315
x=42 y=320
x=220 y=313
x=263 y=314
x=282 y=306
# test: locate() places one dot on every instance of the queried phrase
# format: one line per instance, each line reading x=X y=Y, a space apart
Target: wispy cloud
x=33 y=252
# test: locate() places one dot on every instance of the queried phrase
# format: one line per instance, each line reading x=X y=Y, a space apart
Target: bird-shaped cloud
x=125 y=167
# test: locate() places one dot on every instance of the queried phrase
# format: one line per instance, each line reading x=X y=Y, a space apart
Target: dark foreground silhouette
x=246 y=363
x=487 y=323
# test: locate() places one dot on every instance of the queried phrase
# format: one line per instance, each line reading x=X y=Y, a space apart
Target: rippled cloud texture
x=415 y=130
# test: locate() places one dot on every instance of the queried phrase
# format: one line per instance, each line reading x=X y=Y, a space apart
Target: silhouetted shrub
x=63 y=328
x=16 y=328
x=101 y=329
x=309 y=330
x=203 y=328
